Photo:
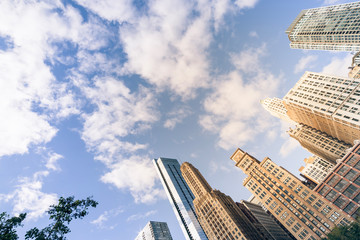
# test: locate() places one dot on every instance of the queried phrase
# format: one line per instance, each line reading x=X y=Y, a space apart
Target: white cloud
x=288 y=146
x=169 y=44
x=246 y=3
x=30 y=96
x=119 y=10
x=51 y=163
x=248 y=60
x=29 y=198
x=176 y=116
x=105 y=217
x=234 y=106
x=215 y=166
x=305 y=63
x=253 y=34
x=138 y=175
x=141 y=216
x=338 y=66
x=118 y=114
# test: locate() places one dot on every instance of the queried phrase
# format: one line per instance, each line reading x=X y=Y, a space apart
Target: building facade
x=155 y=231
x=327 y=103
x=355 y=66
x=327 y=28
x=319 y=143
x=342 y=186
x=304 y=213
x=218 y=214
x=180 y=197
x=276 y=108
x=263 y=220
x=316 y=169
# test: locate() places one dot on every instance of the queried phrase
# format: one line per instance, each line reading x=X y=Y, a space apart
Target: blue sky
x=91 y=91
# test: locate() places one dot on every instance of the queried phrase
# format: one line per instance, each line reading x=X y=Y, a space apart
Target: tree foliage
x=8 y=225
x=61 y=215
x=349 y=232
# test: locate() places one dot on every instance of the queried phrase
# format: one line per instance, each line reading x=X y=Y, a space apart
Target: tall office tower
x=342 y=186
x=155 y=231
x=355 y=66
x=304 y=213
x=180 y=197
x=354 y=72
x=218 y=214
x=327 y=28
x=319 y=143
x=316 y=169
x=263 y=220
x=329 y=104
x=276 y=108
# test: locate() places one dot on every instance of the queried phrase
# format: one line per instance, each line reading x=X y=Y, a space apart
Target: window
x=349 y=208
x=351 y=174
x=331 y=195
x=350 y=190
x=341 y=185
x=340 y=201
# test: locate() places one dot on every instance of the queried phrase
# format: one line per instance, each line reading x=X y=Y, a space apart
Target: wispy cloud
x=338 y=66
x=234 y=106
x=305 y=63
x=176 y=116
x=139 y=216
x=105 y=217
x=28 y=197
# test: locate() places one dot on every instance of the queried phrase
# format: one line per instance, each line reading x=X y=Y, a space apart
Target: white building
x=155 y=231
x=319 y=143
x=180 y=197
x=327 y=28
x=316 y=169
x=327 y=103
x=276 y=108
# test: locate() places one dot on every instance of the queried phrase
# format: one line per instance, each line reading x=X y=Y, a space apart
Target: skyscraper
x=327 y=103
x=327 y=28
x=319 y=143
x=180 y=197
x=342 y=186
x=304 y=213
x=218 y=214
x=355 y=66
x=155 y=231
x=276 y=108
x=263 y=220
x=316 y=169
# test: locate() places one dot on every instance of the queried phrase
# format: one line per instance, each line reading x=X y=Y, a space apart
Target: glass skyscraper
x=155 y=231
x=327 y=28
x=180 y=197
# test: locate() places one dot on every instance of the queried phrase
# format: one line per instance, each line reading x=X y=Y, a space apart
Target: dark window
x=351 y=174
x=340 y=201
x=350 y=190
x=331 y=195
x=341 y=185
x=349 y=208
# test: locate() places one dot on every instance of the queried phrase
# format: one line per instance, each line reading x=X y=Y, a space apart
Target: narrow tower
x=180 y=197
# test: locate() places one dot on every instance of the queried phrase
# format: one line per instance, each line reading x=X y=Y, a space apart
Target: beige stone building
x=316 y=169
x=217 y=213
x=355 y=66
x=304 y=213
x=327 y=103
x=276 y=108
x=319 y=143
